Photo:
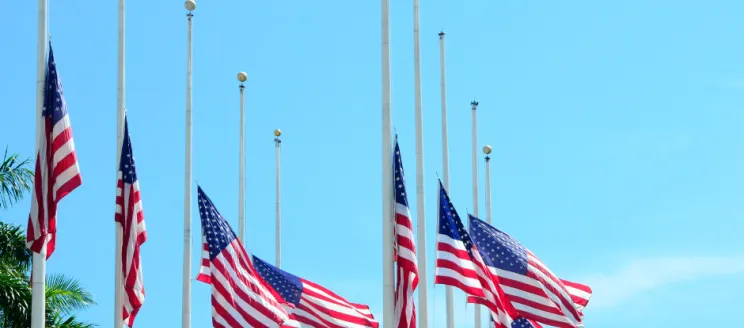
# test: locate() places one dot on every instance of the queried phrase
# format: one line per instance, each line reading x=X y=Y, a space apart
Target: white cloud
x=642 y=275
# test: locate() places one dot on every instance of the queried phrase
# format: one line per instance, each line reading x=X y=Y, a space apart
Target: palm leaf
x=57 y=321
x=65 y=295
x=13 y=250
x=15 y=297
x=15 y=179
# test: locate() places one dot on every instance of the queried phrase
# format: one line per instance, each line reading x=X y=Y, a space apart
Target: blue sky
x=616 y=129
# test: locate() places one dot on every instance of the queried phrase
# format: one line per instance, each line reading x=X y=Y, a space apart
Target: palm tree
x=64 y=295
x=15 y=179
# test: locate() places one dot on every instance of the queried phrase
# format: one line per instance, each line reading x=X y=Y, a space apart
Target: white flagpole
x=420 y=208
x=186 y=292
x=121 y=101
x=450 y=295
x=242 y=77
x=278 y=147
x=38 y=288
x=474 y=106
x=487 y=150
x=388 y=278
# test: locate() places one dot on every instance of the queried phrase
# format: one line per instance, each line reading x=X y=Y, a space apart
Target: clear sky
x=616 y=126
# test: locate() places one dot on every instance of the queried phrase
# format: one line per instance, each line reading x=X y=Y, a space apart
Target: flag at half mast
x=130 y=216
x=460 y=264
x=405 y=249
x=56 y=172
x=240 y=298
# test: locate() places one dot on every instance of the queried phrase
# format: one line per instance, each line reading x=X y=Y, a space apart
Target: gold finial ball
x=190 y=5
x=277 y=133
x=242 y=77
x=487 y=149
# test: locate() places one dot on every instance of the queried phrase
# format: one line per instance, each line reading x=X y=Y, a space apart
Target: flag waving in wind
x=312 y=305
x=405 y=249
x=531 y=287
x=240 y=298
x=130 y=216
x=57 y=172
x=459 y=264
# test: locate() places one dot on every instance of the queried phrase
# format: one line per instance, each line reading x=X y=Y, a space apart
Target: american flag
x=240 y=298
x=312 y=305
x=459 y=264
x=531 y=287
x=132 y=219
x=57 y=172
x=405 y=249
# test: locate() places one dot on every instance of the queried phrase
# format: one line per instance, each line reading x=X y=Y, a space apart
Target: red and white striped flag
x=240 y=298
x=405 y=249
x=57 y=172
x=311 y=305
x=531 y=287
x=130 y=216
x=460 y=264
x=580 y=294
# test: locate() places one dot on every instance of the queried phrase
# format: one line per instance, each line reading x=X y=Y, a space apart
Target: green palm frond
x=65 y=295
x=13 y=250
x=57 y=321
x=15 y=179
x=15 y=297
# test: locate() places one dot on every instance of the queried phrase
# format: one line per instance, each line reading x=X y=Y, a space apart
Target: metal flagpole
x=186 y=301
x=242 y=77
x=450 y=295
x=121 y=101
x=474 y=106
x=278 y=147
x=420 y=208
x=487 y=150
x=388 y=279
x=38 y=288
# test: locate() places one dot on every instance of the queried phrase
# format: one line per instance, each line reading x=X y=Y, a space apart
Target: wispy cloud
x=642 y=275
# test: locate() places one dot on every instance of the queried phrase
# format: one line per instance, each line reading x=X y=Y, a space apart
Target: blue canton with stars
x=214 y=227
x=497 y=248
x=55 y=107
x=450 y=223
x=521 y=323
x=284 y=283
x=126 y=164
x=400 y=181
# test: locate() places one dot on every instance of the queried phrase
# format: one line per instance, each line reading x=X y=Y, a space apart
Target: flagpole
x=449 y=291
x=242 y=77
x=38 y=287
x=190 y=5
x=278 y=146
x=420 y=208
x=388 y=279
x=121 y=101
x=474 y=106
x=487 y=150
